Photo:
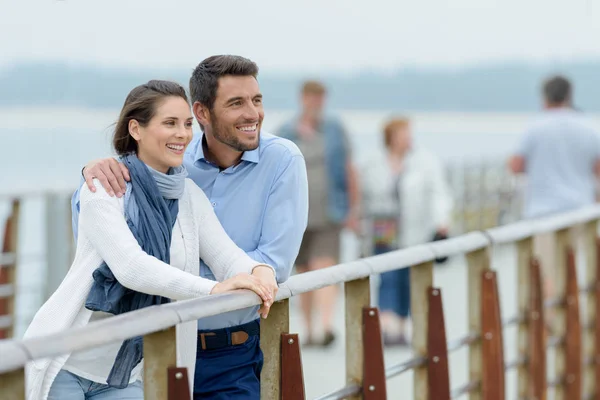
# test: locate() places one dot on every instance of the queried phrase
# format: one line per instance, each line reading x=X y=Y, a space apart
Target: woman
x=406 y=202
x=136 y=251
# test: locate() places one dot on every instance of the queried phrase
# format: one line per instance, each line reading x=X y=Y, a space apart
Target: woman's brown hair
x=140 y=105
x=390 y=128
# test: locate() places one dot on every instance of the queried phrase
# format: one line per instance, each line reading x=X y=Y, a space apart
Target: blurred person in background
x=333 y=199
x=560 y=157
x=406 y=201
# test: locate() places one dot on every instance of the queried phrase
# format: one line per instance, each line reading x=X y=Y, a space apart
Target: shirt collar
x=252 y=156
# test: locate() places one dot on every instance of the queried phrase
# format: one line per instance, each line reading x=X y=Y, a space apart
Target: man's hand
x=111 y=174
x=266 y=276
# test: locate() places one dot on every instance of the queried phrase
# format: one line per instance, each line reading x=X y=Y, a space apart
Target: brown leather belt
x=234 y=336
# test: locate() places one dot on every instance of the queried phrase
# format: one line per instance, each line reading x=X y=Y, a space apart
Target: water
x=48 y=147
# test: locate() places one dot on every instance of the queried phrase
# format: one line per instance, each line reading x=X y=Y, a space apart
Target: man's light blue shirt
x=262 y=203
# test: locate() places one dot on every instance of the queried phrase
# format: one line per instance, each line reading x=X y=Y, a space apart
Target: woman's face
x=401 y=140
x=162 y=143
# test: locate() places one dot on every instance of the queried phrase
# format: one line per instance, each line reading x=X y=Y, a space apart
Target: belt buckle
x=239 y=337
x=203 y=338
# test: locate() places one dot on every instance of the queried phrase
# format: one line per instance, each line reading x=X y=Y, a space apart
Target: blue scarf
x=151 y=207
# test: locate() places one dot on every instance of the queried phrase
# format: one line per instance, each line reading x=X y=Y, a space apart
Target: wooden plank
x=492 y=372
x=160 y=354
x=271 y=329
x=421 y=279
x=536 y=355
x=8 y=273
x=374 y=381
x=12 y=385
x=573 y=334
x=590 y=247
x=357 y=295
x=438 y=378
x=558 y=316
x=524 y=293
x=478 y=262
x=179 y=384
x=292 y=379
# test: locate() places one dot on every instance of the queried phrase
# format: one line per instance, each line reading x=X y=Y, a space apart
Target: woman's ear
x=134 y=130
x=201 y=113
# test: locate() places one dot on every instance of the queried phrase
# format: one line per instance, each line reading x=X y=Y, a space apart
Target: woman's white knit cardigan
x=104 y=235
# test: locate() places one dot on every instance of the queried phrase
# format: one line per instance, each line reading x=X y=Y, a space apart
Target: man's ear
x=201 y=113
x=134 y=130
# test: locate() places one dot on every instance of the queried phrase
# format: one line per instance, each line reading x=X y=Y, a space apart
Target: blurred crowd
x=401 y=198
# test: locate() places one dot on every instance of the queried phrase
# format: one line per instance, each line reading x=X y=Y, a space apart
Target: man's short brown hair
x=391 y=127
x=313 y=87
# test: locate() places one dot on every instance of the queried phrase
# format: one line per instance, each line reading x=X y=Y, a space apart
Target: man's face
x=313 y=103
x=237 y=114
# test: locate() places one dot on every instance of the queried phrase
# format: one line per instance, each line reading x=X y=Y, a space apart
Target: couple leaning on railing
x=158 y=237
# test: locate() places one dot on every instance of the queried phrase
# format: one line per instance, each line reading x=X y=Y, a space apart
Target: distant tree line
x=506 y=88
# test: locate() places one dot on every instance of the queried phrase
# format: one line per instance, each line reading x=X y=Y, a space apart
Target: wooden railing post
x=492 y=346
x=478 y=262
x=591 y=244
x=160 y=353
x=292 y=377
x=12 y=385
x=524 y=255
x=421 y=280
x=573 y=328
x=536 y=340
x=559 y=313
x=357 y=297
x=8 y=273
x=271 y=329
x=438 y=377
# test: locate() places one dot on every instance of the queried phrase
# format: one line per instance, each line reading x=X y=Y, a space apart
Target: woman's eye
x=170 y=123
x=189 y=124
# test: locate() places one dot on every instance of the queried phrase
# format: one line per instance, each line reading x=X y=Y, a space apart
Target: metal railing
x=365 y=373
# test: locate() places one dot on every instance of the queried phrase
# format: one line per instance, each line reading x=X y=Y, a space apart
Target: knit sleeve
x=218 y=251
x=102 y=222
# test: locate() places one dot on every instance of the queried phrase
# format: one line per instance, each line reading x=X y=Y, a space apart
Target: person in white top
x=154 y=129
x=406 y=202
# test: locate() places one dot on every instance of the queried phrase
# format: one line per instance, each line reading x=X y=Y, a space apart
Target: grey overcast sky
x=305 y=35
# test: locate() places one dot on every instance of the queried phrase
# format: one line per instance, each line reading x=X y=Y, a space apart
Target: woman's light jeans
x=68 y=386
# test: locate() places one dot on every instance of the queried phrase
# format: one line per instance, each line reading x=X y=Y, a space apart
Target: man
x=333 y=198
x=560 y=155
x=257 y=184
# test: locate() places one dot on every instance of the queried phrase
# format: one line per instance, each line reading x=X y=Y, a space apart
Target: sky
x=300 y=36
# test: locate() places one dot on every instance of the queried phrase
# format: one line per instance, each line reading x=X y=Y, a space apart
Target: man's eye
x=236 y=103
x=258 y=101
